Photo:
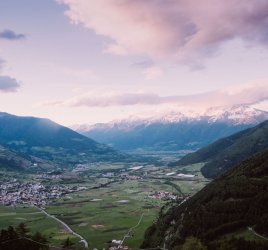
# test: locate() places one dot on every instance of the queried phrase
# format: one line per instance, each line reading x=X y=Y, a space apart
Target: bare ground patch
x=97 y=226
x=83 y=224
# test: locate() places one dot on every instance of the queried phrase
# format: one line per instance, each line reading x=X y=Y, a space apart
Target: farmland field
x=108 y=208
x=108 y=213
x=35 y=221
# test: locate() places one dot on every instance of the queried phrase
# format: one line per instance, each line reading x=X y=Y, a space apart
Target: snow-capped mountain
x=175 y=130
x=239 y=114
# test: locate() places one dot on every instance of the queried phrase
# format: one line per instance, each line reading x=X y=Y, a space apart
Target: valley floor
x=108 y=202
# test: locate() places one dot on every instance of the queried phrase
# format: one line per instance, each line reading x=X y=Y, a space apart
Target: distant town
x=14 y=193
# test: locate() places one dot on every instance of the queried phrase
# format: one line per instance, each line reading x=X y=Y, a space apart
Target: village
x=163 y=195
x=15 y=193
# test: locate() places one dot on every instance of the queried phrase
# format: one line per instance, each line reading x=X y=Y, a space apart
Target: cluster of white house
x=163 y=195
x=13 y=193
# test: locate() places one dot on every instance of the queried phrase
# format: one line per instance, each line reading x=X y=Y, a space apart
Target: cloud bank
x=249 y=94
x=171 y=28
x=8 y=84
x=11 y=35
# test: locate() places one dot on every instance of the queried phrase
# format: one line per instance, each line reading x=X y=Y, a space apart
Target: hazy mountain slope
x=175 y=131
x=225 y=153
x=10 y=160
x=158 y=136
x=235 y=201
x=48 y=140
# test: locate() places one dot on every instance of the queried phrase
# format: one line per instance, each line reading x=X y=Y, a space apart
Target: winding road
x=82 y=240
x=252 y=230
x=130 y=231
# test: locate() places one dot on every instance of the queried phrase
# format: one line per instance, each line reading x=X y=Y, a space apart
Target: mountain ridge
x=45 y=139
x=226 y=152
x=175 y=131
x=239 y=114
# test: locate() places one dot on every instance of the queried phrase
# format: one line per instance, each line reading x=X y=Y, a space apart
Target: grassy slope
x=11 y=160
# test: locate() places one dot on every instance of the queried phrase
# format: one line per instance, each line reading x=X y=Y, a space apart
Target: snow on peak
x=238 y=114
x=235 y=115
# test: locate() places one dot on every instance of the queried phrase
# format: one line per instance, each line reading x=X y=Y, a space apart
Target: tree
x=67 y=243
x=22 y=230
x=11 y=239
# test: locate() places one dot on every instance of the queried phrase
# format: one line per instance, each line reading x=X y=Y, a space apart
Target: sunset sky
x=88 y=61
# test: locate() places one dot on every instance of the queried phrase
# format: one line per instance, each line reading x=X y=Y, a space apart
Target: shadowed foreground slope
x=235 y=201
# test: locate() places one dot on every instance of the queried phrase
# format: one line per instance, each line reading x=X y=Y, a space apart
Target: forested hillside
x=227 y=152
x=231 y=204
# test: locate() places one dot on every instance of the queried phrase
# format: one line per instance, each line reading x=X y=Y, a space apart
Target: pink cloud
x=249 y=94
x=153 y=72
x=116 y=99
x=115 y=49
x=171 y=28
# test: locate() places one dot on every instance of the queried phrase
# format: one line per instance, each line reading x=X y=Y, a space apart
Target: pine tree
x=22 y=230
x=67 y=243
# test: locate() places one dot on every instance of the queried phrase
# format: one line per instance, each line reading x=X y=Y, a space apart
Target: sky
x=87 y=61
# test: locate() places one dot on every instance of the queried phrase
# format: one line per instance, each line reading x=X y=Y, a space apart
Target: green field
x=104 y=213
x=97 y=221
x=109 y=218
x=35 y=221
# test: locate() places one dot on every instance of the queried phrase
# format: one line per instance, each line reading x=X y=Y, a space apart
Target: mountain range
x=30 y=137
x=175 y=131
x=226 y=152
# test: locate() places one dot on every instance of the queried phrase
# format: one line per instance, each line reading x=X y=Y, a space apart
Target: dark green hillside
x=51 y=141
x=227 y=152
x=10 y=160
x=228 y=205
